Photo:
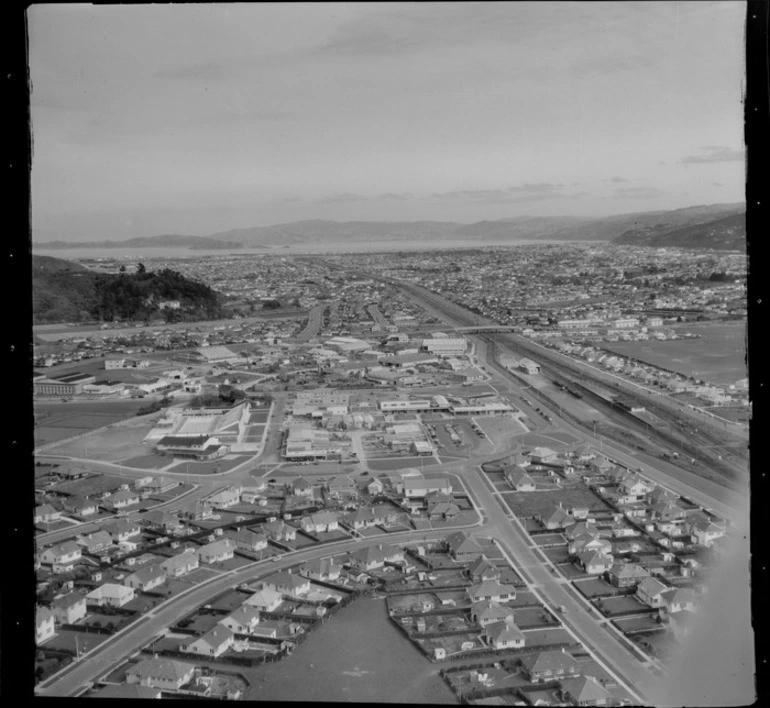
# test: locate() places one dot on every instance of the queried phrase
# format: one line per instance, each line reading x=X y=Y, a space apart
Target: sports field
x=57 y=421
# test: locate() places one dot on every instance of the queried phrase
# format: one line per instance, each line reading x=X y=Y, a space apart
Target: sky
x=197 y=119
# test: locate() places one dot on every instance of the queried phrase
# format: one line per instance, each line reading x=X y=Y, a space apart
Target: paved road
x=136 y=636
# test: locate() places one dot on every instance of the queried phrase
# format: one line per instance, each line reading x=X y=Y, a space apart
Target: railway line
x=720 y=452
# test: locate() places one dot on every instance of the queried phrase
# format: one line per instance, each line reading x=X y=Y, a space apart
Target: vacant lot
x=74 y=641
x=637 y=624
x=258 y=416
x=595 y=587
x=529 y=504
x=549 y=539
x=546 y=637
x=611 y=606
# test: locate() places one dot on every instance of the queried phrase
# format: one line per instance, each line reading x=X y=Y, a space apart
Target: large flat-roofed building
x=201 y=447
x=305 y=444
x=529 y=366
x=64 y=385
x=217 y=353
x=445 y=346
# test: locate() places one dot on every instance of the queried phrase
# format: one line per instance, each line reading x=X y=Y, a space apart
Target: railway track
x=698 y=440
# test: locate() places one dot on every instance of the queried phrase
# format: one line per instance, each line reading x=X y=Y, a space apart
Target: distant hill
x=63 y=291
x=723 y=232
x=164 y=241
x=623 y=228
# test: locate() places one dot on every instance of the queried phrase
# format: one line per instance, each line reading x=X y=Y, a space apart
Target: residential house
x=550 y=665
x=242 y=620
x=45 y=513
x=288 y=584
x=462 y=548
x=324 y=569
x=589 y=543
x=679 y=600
x=581 y=528
x=147 y=578
x=111 y=595
x=481 y=570
x=96 y=542
x=491 y=590
x=554 y=517
x=360 y=519
x=594 y=562
x=198 y=511
x=122 y=498
x=375 y=486
x=165 y=674
x=160 y=485
x=44 y=624
x=249 y=540
x=279 y=531
x=181 y=564
x=217 y=551
x=542 y=455
x=438 y=509
x=69 y=608
x=80 y=506
x=302 y=488
x=161 y=521
x=585 y=691
x=266 y=600
x=519 y=480
x=214 y=643
x=320 y=522
x=652 y=592
x=623 y=574
x=225 y=497
x=704 y=532
x=487 y=612
x=61 y=557
x=661 y=494
x=336 y=488
x=372 y=557
x=385 y=515
x=418 y=487
x=122 y=530
x=504 y=635
x=635 y=487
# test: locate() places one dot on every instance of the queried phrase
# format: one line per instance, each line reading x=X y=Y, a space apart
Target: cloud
x=400 y=197
x=616 y=180
x=343 y=197
x=513 y=195
x=714 y=153
x=639 y=192
x=538 y=188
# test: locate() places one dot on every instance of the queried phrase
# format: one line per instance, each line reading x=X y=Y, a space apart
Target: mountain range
x=720 y=226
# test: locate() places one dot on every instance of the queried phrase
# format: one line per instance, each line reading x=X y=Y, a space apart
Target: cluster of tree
x=135 y=296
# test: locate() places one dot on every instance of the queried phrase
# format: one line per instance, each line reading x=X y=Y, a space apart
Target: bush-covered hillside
x=65 y=291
